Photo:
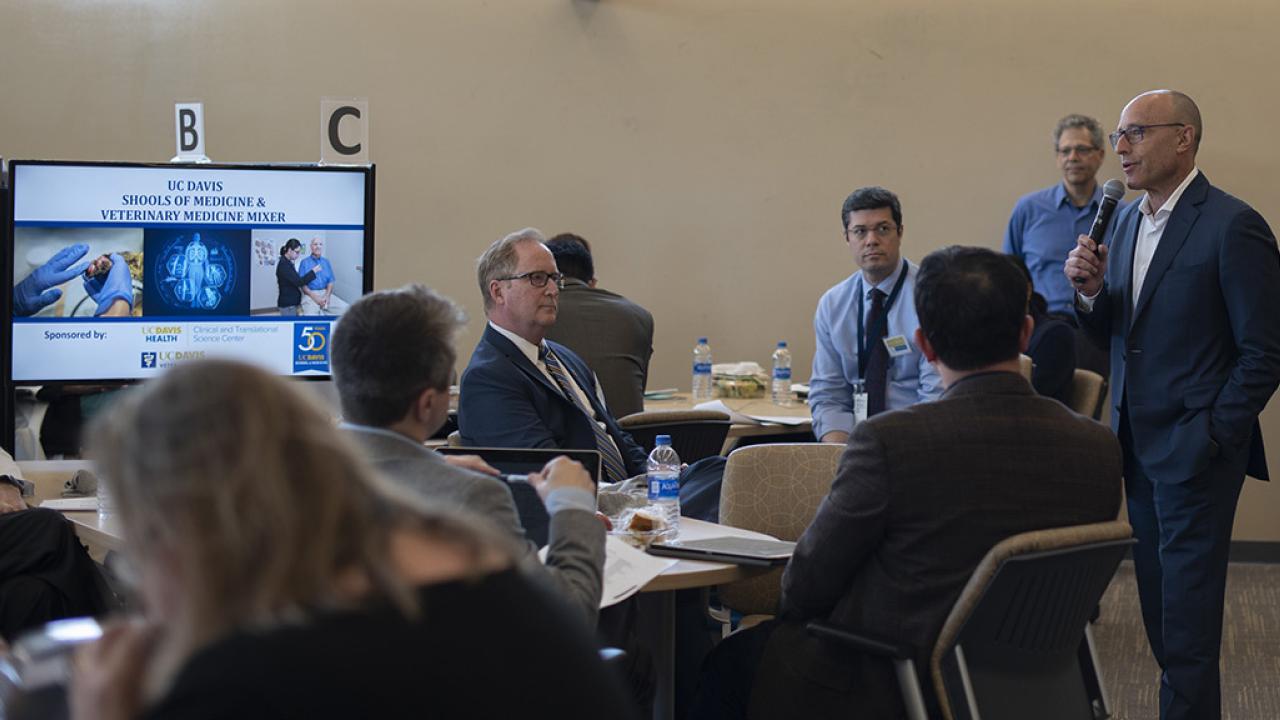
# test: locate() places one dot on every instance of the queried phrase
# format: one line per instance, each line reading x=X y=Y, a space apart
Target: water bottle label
x=701 y=368
x=782 y=373
x=664 y=486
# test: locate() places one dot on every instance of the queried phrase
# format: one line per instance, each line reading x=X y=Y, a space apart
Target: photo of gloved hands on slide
x=75 y=282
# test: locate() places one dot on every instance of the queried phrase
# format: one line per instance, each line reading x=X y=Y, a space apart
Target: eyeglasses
x=538 y=278
x=882 y=231
x=1077 y=149
x=1135 y=133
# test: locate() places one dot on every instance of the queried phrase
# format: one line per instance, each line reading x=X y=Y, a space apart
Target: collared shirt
x=1151 y=229
x=1042 y=230
x=912 y=379
x=557 y=500
x=531 y=351
x=324 y=271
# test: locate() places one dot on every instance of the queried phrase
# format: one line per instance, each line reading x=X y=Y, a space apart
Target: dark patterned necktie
x=877 y=375
x=614 y=468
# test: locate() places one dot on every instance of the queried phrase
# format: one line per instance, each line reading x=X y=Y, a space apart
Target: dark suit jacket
x=1198 y=358
x=505 y=401
x=615 y=338
x=1052 y=349
x=921 y=495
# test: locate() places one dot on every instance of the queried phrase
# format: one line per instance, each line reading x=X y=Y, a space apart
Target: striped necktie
x=614 y=468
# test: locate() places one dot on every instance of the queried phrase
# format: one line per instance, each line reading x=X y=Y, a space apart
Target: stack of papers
x=626 y=570
x=71 y=504
x=753 y=418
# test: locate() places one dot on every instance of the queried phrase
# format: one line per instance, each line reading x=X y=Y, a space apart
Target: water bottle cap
x=782 y=343
x=662 y=440
x=702 y=341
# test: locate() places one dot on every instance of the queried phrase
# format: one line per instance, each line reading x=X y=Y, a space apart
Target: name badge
x=897 y=346
x=859 y=401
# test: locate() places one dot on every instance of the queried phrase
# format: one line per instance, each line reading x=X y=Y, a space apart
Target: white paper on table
x=626 y=570
x=781 y=419
x=734 y=415
x=741 y=419
x=71 y=504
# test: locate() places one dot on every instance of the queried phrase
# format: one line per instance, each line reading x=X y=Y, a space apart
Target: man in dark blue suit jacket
x=508 y=396
x=1187 y=299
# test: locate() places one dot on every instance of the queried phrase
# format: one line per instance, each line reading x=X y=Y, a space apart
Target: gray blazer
x=575 y=549
x=920 y=496
x=615 y=338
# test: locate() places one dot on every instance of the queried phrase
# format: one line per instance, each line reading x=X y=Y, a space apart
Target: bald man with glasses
x=1186 y=297
x=865 y=360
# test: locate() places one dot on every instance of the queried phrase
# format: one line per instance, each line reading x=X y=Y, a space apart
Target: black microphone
x=1112 y=191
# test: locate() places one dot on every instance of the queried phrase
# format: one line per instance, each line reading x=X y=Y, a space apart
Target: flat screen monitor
x=119 y=271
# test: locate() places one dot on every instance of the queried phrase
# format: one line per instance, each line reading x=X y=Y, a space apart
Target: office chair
x=1017 y=642
x=695 y=434
x=774 y=489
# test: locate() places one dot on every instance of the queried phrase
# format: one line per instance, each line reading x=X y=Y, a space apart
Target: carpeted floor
x=1250 y=647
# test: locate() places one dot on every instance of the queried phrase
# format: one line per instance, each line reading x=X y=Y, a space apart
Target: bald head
x=1180 y=106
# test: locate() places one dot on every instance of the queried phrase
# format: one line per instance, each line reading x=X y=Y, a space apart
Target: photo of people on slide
x=65 y=272
x=330 y=261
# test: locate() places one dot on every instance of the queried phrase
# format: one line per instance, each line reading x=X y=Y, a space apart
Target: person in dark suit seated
x=1052 y=347
x=45 y=573
x=521 y=390
x=612 y=334
x=280 y=576
x=920 y=496
x=392 y=357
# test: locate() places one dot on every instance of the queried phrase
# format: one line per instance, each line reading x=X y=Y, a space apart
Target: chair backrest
x=695 y=434
x=1009 y=648
x=1086 y=392
x=773 y=489
x=1025 y=365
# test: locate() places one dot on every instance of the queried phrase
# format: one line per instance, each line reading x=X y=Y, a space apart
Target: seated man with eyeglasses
x=865 y=360
x=1044 y=224
x=521 y=390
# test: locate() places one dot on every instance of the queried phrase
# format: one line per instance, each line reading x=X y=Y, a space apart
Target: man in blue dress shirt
x=864 y=326
x=1045 y=224
x=317 y=295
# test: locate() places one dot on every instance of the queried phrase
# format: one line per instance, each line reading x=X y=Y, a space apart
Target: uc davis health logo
x=148 y=361
x=311 y=347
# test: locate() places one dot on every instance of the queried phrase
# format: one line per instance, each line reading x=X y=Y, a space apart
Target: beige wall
x=703 y=146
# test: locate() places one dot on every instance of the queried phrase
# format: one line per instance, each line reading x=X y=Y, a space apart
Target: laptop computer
x=515 y=464
x=522 y=461
x=728 y=549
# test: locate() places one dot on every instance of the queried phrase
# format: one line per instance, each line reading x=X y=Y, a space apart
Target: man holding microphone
x=1187 y=299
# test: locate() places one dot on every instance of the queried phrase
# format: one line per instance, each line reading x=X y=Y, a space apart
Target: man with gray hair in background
x=1044 y=224
x=521 y=390
x=393 y=357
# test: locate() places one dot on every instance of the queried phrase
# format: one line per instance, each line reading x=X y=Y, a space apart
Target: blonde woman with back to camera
x=278 y=577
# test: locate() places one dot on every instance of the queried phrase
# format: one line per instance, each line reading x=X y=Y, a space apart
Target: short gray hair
x=499 y=259
x=389 y=347
x=1079 y=121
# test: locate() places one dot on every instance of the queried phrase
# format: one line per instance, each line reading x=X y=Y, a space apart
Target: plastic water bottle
x=664 y=483
x=782 y=375
x=702 y=385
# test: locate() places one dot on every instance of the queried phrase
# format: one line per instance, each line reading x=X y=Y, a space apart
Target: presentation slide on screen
x=121 y=272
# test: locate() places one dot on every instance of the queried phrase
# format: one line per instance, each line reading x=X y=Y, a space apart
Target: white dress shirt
x=1150 y=230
